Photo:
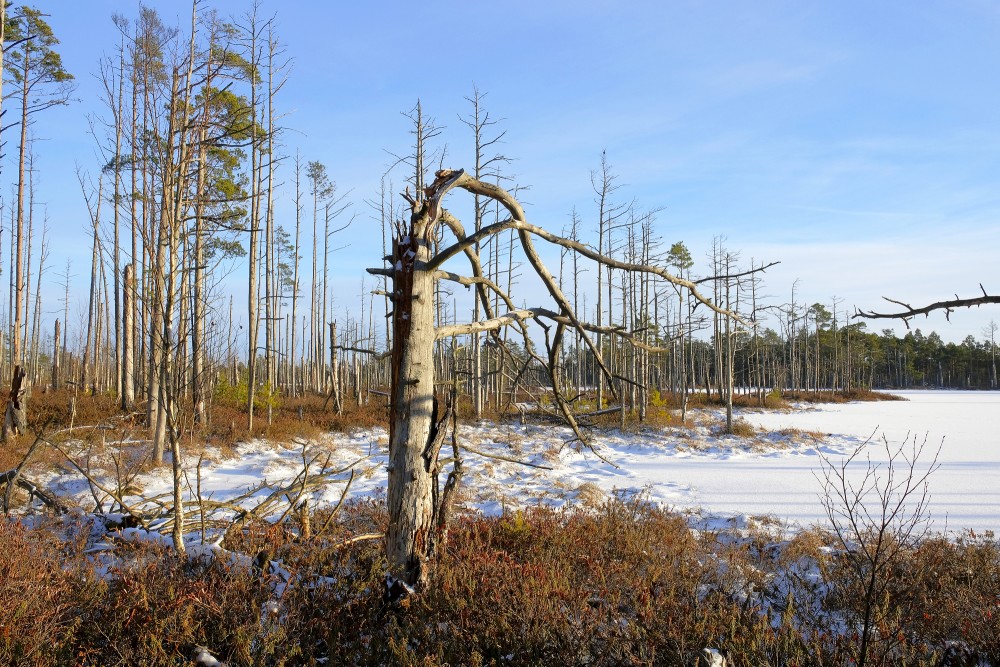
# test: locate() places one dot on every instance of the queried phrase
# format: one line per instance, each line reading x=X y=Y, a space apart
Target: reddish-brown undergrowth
x=623 y=584
x=847 y=396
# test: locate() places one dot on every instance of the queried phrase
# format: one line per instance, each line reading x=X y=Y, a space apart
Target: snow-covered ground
x=721 y=479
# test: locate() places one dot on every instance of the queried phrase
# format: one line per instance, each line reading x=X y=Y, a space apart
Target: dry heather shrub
x=306 y=417
x=53 y=407
x=590 y=495
x=942 y=598
x=161 y=608
x=743 y=429
x=950 y=592
x=625 y=583
x=40 y=596
x=808 y=543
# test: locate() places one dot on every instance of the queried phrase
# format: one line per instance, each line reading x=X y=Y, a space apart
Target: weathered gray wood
x=413 y=406
x=413 y=423
x=48 y=498
x=15 y=419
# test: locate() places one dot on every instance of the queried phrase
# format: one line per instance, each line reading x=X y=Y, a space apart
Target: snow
x=721 y=481
x=965 y=490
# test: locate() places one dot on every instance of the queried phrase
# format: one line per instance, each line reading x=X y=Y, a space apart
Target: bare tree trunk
x=55 y=357
x=255 y=166
x=313 y=306
x=295 y=272
x=338 y=403
x=128 y=339
x=198 y=297
x=729 y=355
x=26 y=338
x=270 y=293
x=18 y=243
x=413 y=423
x=116 y=259
x=87 y=353
x=326 y=274
x=413 y=409
x=15 y=420
x=37 y=311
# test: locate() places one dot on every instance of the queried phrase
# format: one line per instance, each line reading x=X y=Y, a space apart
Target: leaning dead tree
x=947 y=306
x=418 y=423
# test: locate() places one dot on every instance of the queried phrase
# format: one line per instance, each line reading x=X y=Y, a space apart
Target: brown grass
x=743 y=429
x=97 y=418
x=839 y=396
x=622 y=583
x=797 y=434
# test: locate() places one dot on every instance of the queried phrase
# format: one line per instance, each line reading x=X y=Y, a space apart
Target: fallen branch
x=133 y=512
x=504 y=458
x=16 y=472
x=14 y=477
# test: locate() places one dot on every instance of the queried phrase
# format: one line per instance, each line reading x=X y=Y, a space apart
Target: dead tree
x=127 y=342
x=417 y=424
x=14 y=420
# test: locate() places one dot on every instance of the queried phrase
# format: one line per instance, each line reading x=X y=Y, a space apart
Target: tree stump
x=15 y=420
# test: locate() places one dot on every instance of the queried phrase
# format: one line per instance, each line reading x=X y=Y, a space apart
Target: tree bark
x=15 y=418
x=413 y=427
x=128 y=339
x=413 y=406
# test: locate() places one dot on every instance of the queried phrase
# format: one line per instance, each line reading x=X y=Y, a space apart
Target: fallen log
x=36 y=491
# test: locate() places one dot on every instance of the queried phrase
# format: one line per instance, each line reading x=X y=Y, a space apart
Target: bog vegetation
x=626 y=584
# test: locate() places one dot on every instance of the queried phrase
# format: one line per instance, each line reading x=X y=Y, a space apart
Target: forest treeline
x=198 y=189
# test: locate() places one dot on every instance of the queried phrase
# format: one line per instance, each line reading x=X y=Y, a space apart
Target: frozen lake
x=685 y=467
x=965 y=490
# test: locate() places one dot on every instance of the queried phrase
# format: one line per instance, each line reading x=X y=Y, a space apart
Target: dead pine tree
x=418 y=423
x=14 y=420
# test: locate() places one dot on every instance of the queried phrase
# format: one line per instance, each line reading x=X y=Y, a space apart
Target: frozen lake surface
x=718 y=479
x=965 y=490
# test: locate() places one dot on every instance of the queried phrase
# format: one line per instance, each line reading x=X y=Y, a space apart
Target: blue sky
x=857 y=143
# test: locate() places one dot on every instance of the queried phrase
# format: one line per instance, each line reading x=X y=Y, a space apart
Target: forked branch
x=947 y=306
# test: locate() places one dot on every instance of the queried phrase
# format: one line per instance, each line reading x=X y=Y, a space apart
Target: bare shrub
x=877 y=519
